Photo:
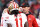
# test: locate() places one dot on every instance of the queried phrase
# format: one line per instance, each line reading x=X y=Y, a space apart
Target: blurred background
x=34 y=4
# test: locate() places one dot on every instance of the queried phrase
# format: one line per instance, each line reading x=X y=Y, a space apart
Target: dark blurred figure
x=38 y=13
x=23 y=1
x=2 y=4
x=0 y=14
x=34 y=9
x=16 y=1
x=6 y=4
x=26 y=1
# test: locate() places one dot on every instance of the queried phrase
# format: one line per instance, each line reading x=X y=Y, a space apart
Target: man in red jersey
x=31 y=19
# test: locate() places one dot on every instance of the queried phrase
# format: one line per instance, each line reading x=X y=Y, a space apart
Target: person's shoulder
x=32 y=16
x=23 y=14
x=5 y=10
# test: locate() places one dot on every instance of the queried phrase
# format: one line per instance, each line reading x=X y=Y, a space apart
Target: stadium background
x=34 y=4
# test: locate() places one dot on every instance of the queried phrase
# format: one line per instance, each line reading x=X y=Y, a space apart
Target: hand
x=9 y=25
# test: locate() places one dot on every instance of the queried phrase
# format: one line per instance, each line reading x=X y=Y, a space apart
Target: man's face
x=26 y=9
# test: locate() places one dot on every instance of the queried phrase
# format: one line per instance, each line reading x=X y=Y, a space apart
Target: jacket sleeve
x=35 y=23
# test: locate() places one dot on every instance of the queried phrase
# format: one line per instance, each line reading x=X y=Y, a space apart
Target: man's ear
x=29 y=7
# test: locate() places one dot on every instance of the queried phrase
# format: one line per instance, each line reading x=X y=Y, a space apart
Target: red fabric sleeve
x=35 y=23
